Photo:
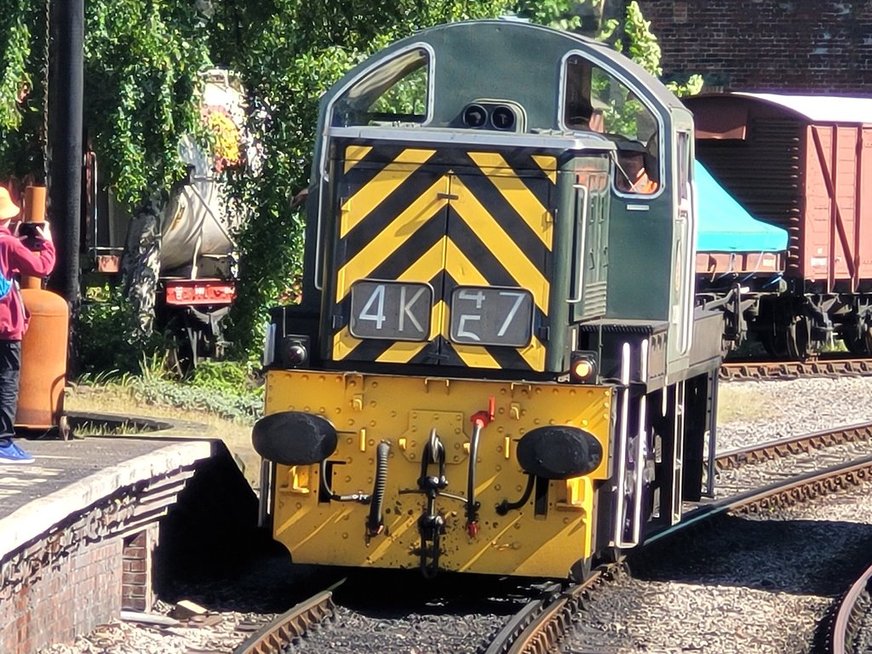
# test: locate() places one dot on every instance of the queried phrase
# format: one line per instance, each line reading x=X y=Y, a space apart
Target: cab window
x=595 y=100
x=395 y=92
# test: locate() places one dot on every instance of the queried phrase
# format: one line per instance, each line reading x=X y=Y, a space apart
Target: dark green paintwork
x=506 y=60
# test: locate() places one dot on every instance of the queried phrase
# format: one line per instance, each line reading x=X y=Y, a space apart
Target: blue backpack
x=5 y=287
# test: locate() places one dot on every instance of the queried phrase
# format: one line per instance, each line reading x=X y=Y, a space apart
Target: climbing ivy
x=143 y=59
x=142 y=65
x=22 y=74
x=561 y=14
x=635 y=37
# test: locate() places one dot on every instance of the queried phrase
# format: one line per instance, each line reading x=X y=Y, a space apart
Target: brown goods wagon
x=803 y=163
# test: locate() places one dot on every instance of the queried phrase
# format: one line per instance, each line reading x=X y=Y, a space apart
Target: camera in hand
x=29 y=235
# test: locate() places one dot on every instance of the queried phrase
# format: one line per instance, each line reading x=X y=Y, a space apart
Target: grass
x=125 y=398
x=743 y=402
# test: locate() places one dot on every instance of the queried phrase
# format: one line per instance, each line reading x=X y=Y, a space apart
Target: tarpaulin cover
x=725 y=226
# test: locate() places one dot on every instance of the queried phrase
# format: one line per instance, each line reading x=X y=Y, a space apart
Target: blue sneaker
x=11 y=453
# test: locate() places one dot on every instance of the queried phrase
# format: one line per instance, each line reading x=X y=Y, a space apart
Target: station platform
x=81 y=528
x=69 y=476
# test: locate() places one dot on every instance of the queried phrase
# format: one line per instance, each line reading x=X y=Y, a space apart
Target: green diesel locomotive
x=497 y=366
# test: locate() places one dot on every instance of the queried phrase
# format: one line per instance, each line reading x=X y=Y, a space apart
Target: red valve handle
x=484 y=418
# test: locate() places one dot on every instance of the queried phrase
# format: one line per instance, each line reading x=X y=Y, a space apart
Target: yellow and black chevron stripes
x=516 y=193
x=477 y=221
x=392 y=237
x=446 y=217
x=383 y=184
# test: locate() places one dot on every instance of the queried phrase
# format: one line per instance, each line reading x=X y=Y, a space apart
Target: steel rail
x=542 y=623
x=850 y=613
x=519 y=622
x=829 y=367
x=782 y=447
x=544 y=626
x=276 y=636
x=799 y=488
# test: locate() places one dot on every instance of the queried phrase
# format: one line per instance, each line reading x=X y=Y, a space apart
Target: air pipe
x=375 y=523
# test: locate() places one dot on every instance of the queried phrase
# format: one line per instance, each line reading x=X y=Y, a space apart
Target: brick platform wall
x=778 y=45
x=137 y=591
x=70 y=595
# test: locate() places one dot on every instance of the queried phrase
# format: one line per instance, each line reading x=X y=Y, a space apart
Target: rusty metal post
x=44 y=346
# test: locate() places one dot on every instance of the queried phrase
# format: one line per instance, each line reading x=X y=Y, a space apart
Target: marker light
x=583 y=367
x=294 y=351
x=297 y=354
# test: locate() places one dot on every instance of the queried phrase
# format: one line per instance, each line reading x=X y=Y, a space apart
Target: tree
x=142 y=65
x=634 y=36
x=289 y=52
x=23 y=66
x=143 y=59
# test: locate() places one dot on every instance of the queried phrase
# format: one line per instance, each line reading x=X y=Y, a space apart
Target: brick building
x=767 y=45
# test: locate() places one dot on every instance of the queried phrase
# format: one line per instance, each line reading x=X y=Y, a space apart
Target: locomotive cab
x=490 y=305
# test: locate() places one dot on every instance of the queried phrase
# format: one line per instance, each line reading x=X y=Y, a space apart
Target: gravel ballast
x=739 y=603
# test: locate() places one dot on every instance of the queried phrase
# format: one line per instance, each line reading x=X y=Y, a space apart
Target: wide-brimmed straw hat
x=8 y=209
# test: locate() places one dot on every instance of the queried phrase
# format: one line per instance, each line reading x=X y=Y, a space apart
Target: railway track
x=280 y=633
x=545 y=634
x=851 y=629
x=793 y=445
x=832 y=366
x=542 y=622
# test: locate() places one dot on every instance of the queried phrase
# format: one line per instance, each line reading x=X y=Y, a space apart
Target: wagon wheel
x=799 y=337
x=859 y=344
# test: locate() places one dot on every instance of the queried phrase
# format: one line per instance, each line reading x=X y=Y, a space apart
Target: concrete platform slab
x=69 y=476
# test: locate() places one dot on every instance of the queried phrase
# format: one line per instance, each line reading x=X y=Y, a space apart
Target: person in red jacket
x=36 y=259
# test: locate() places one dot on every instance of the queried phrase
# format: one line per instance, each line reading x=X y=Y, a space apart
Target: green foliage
x=142 y=64
x=692 y=86
x=226 y=377
x=289 y=52
x=240 y=406
x=104 y=339
x=140 y=367
x=554 y=13
x=156 y=388
x=16 y=51
x=22 y=72
x=643 y=47
x=408 y=96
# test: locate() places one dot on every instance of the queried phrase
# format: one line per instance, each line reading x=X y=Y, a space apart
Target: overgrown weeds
x=105 y=337
x=227 y=389
x=112 y=352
